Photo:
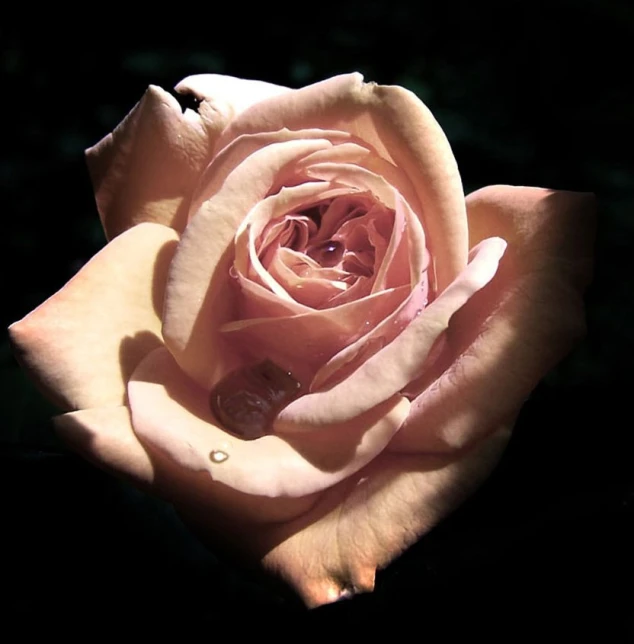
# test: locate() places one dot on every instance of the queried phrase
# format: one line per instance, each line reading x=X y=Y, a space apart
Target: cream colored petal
x=172 y=414
x=82 y=344
x=149 y=166
x=362 y=524
x=228 y=94
x=402 y=130
x=510 y=334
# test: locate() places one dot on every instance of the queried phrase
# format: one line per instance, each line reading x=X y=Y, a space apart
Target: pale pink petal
x=229 y=95
x=391 y=369
x=105 y=437
x=360 y=153
x=362 y=349
x=356 y=177
x=302 y=343
x=401 y=129
x=172 y=414
x=200 y=295
x=510 y=334
x=235 y=153
x=247 y=261
x=362 y=524
x=82 y=344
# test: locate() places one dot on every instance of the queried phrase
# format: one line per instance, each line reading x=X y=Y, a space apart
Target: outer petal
x=332 y=551
x=105 y=437
x=82 y=344
x=147 y=169
x=517 y=328
x=172 y=414
x=229 y=95
x=391 y=369
x=395 y=122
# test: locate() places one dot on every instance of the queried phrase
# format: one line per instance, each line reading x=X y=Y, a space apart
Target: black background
x=528 y=93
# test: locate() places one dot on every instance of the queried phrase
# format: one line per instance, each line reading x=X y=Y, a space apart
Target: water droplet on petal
x=247 y=400
x=418 y=312
x=218 y=456
x=233 y=272
x=328 y=253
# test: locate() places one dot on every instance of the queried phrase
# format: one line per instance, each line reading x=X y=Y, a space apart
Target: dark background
x=528 y=93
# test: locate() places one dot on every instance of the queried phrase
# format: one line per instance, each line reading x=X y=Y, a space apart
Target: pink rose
x=300 y=332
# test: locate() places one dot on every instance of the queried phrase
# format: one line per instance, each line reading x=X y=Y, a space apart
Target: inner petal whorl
x=344 y=234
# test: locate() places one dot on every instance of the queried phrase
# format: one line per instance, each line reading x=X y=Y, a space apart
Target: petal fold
x=104 y=436
x=390 y=370
x=200 y=294
x=510 y=334
x=172 y=414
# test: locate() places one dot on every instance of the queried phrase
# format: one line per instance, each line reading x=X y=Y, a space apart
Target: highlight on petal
x=200 y=296
x=229 y=95
x=401 y=129
x=148 y=167
x=172 y=414
x=82 y=344
x=390 y=370
x=511 y=333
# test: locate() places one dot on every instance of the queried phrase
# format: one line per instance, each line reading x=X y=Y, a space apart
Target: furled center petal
x=326 y=253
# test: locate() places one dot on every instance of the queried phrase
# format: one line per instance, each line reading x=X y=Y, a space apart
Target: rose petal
x=384 y=332
x=359 y=153
x=361 y=524
x=171 y=413
x=247 y=261
x=105 y=437
x=147 y=169
x=236 y=152
x=391 y=369
x=302 y=343
x=228 y=94
x=83 y=343
x=402 y=130
x=366 y=522
x=200 y=297
x=510 y=334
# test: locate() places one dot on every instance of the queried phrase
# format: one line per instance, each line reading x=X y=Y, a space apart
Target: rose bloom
x=300 y=332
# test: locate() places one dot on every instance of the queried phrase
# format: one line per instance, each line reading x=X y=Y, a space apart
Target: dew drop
x=328 y=253
x=233 y=272
x=418 y=312
x=218 y=456
x=247 y=400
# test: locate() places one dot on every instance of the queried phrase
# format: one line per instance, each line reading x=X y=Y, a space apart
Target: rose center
x=327 y=254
